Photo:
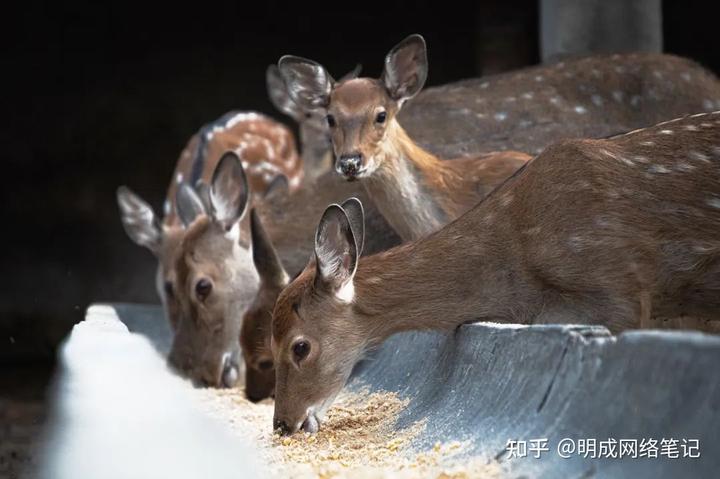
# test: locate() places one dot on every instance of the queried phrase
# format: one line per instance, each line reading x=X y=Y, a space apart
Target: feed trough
x=589 y=404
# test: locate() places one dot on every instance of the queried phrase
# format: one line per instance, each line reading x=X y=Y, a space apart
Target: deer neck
x=458 y=275
x=407 y=186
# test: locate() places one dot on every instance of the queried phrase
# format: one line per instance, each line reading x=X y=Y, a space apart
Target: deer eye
x=203 y=288
x=300 y=350
x=168 y=287
x=331 y=121
x=380 y=118
x=265 y=365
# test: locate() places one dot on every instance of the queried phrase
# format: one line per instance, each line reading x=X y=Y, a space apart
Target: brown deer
x=267 y=149
x=418 y=193
x=415 y=191
x=216 y=280
x=627 y=237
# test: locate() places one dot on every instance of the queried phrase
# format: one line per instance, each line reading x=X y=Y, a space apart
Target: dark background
x=96 y=96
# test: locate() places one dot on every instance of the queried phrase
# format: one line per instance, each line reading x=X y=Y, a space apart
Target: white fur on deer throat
x=401 y=198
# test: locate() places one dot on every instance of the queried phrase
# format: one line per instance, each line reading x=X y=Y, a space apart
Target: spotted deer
x=626 y=239
x=418 y=193
x=268 y=151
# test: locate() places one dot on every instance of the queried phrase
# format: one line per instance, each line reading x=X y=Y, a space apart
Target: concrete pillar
x=578 y=27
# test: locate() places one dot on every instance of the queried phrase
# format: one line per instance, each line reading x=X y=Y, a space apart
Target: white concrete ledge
x=119 y=413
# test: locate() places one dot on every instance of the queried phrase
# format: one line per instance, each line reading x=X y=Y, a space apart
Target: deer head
x=256 y=326
x=314 y=132
x=215 y=277
x=312 y=366
x=142 y=226
x=360 y=111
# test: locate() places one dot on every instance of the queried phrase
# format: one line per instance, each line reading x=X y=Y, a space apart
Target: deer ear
x=265 y=257
x=336 y=253
x=356 y=215
x=188 y=203
x=308 y=83
x=229 y=191
x=406 y=69
x=139 y=220
x=278 y=93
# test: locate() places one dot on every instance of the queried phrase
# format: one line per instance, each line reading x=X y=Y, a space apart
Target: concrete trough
x=555 y=387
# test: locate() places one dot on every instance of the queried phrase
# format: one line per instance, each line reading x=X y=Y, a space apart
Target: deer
x=625 y=238
x=216 y=279
x=273 y=167
x=416 y=191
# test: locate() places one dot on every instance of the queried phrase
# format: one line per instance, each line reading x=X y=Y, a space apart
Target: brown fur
x=444 y=189
x=265 y=146
x=619 y=93
x=630 y=239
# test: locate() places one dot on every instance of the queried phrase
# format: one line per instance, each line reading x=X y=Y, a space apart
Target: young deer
x=266 y=147
x=625 y=237
x=281 y=234
x=414 y=190
x=418 y=193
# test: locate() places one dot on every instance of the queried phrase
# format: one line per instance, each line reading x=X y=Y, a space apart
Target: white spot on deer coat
x=683 y=166
x=179 y=178
x=579 y=109
x=538 y=78
x=597 y=100
x=618 y=96
x=666 y=132
x=685 y=76
x=698 y=156
x=658 y=169
x=708 y=104
x=500 y=116
x=714 y=202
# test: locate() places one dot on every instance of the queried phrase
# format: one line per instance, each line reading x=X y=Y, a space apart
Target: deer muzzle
x=349 y=166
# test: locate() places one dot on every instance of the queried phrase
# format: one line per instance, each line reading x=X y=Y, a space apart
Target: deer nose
x=229 y=372
x=282 y=425
x=349 y=165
